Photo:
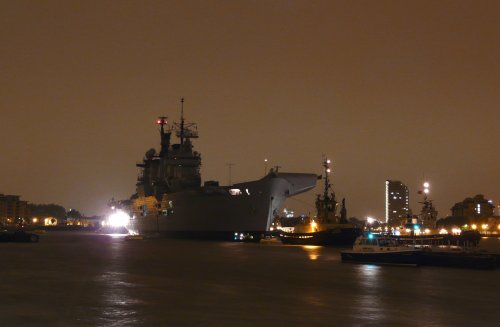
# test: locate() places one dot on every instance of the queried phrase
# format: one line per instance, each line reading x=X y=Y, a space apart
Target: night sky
x=404 y=90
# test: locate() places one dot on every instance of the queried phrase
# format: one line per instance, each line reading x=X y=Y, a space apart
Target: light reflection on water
x=369 y=300
x=117 y=304
x=313 y=251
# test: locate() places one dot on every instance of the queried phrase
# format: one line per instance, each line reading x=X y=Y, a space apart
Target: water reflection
x=369 y=301
x=313 y=251
x=117 y=301
x=369 y=275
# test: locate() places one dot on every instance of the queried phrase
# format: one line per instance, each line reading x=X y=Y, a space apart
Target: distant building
x=90 y=222
x=476 y=207
x=496 y=211
x=397 y=199
x=12 y=209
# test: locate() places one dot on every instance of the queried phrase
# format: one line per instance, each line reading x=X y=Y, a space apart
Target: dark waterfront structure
x=476 y=207
x=397 y=200
x=12 y=209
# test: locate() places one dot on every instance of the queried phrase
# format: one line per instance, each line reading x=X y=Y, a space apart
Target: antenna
x=183 y=130
x=230 y=166
x=182 y=121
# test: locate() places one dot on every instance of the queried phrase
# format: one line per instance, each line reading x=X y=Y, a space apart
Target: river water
x=85 y=279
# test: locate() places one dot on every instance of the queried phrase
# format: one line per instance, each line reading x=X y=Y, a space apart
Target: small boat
x=134 y=237
x=381 y=250
x=18 y=236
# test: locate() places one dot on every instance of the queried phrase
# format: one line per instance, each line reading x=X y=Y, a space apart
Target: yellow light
x=314 y=225
x=498 y=226
x=484 y=226
x=474 y=226
x=443 y=231
x=35 y=220
x=427 y=231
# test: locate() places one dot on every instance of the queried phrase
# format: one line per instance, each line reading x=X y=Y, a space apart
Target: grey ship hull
x=207 y=212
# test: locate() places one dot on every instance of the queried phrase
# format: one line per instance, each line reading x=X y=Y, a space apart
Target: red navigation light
x=159 y=121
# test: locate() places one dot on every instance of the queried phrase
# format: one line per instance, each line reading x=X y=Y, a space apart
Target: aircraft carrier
x=171 y=201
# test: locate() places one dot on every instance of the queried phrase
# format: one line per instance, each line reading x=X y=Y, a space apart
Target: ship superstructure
x=170 y=199
x=327 y=228
x=176 y=167
x=326 y=204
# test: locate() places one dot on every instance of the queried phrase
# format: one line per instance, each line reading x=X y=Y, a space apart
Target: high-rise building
x=397 y=201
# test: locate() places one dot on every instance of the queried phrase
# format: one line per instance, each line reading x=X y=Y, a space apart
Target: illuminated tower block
x=397 y=201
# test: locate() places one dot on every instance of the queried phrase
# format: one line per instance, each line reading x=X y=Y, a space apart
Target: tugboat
x=170 y=200
x=327 y=228
x=381 y=250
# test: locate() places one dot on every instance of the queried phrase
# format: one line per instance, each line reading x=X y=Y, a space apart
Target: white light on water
x=118 y=219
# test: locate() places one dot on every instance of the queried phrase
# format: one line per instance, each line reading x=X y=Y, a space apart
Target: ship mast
x=185 y=131
x=182 y=121
x=164 y=137
x=326 y=165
